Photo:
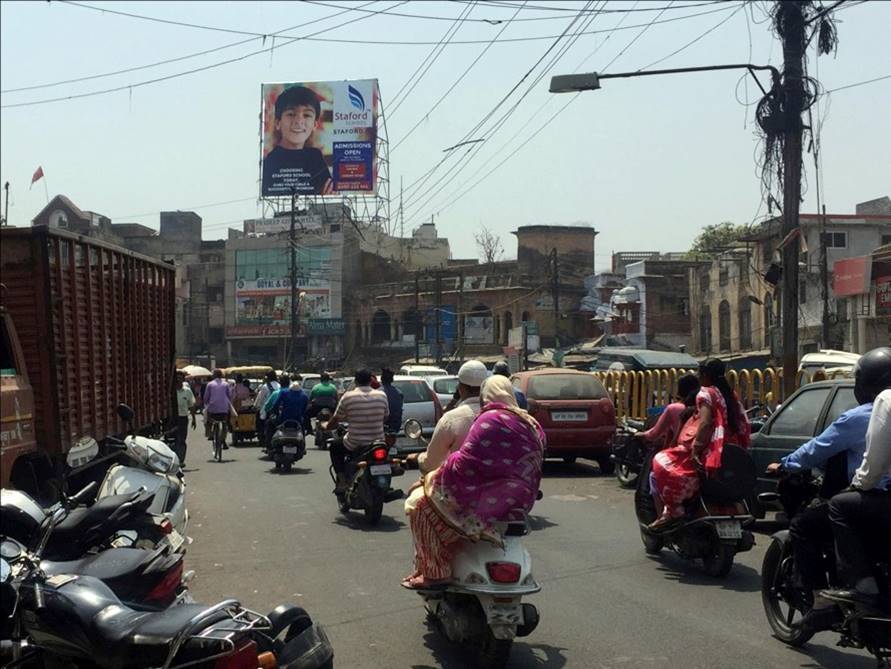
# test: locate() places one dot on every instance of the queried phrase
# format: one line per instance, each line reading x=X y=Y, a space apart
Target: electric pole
x=292 y=242
x=824 y=281
x=438 y=285
x=417 y=319
x=555 y=267
x=793 y=35
x=6 y=206
x=459 y=325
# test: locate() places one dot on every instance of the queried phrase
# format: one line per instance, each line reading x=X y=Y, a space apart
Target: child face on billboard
x=296 y=126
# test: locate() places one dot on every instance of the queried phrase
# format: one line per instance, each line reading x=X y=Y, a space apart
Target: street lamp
x=590 y=81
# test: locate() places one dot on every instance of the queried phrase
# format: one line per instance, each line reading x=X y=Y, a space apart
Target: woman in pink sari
x=719 y=419
x=493 y=477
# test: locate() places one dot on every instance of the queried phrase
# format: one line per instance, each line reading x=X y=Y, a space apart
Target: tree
x=715 y=239
x=489 y=245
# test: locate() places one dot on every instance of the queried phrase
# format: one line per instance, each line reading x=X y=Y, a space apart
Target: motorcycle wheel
x=777 y=591
x=375 y=510
x=720 y=561
x=626 y=477
x=652 y=543
x=494 y=653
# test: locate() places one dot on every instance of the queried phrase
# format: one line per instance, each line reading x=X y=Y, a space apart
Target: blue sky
x=646 y=161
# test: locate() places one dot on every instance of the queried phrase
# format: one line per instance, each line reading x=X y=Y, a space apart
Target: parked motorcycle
x=69 y=619
x=713 y=529
x=287 y=445
x=785 y=600
x=369 y=472
x=147 y=580
x=628 y=452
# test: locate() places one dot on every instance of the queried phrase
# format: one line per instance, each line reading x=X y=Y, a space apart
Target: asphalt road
x=267 y=538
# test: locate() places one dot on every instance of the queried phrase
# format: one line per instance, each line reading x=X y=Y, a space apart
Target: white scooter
x=155 y=468
x=482 y=607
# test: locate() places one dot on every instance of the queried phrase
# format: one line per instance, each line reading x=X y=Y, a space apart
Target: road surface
x=267 y=538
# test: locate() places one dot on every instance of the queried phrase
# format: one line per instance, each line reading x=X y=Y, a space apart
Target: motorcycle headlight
x=158 y=462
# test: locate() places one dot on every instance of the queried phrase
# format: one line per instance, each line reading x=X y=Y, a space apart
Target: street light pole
x=292 y=242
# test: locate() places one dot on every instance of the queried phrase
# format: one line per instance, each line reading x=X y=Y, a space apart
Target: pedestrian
x=394 y=401
x=185 y=404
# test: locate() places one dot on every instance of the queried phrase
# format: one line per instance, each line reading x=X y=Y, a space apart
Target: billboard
x=851 y=276
x=267 y=226
x=268 y=301
x=319 y=138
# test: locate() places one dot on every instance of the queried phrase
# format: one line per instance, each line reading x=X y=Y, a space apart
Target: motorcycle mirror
x=413 y=429
x=126 y=413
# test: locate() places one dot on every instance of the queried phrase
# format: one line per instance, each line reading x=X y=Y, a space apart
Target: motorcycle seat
x=124 y=638
x=75 y=529
x=734 y=481
x=106 y=566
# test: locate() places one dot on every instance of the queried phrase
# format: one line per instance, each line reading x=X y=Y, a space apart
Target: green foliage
x=715 y=239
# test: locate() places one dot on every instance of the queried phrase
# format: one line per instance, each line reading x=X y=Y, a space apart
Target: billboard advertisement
x=319 y=138
x=851 y=276
x=268 y=226
x=268 y=301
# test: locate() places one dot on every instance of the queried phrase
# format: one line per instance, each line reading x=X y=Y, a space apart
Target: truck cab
x=18 y=443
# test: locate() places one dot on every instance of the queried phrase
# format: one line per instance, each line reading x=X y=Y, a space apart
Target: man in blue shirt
x=289 y=404
x=810 y=529
x=394 y=400
x=503 y=369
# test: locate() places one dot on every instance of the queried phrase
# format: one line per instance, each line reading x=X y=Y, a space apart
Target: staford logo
x=356 y=98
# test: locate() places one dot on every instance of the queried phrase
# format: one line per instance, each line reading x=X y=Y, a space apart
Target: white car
x=424 y=371
x=418 y=402
x=444 y=387
x=829 y=361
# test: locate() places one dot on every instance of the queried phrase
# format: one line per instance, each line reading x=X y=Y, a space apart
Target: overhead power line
x=858 y=83
x=289 y=40
x=177 y=59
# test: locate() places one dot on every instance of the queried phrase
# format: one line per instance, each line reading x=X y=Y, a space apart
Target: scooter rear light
x=503 y=572
x=244 y=657
x=166 y=526
x=379 y=453
x=165 y=590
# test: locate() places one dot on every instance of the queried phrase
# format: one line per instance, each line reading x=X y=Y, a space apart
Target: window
x=413 y=392
x=802 y=290
x=723 y=275
x=7 y=362
x=836 y=240
x=844 y=400
x=565 y=387
x=445 y=386
x=886 y=239
x=745 y=325
x=705 y=328
x=724 y=325
x=798 y=417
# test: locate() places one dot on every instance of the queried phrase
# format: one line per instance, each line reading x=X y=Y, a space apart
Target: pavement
x=266 y=538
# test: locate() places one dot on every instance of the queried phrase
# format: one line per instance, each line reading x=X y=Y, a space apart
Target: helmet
x=501 y=368
x=872 y=374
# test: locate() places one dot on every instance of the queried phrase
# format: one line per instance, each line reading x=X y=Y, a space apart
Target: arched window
x=705 y=328
x=526 y=317
x=724 y=325
x=380 y=327
x=411 y=323
x=745 y=324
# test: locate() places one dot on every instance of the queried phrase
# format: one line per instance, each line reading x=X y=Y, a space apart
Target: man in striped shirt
x=365 y=409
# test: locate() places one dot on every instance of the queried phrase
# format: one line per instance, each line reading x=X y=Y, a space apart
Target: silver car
x=418 y=402
x=444 y=387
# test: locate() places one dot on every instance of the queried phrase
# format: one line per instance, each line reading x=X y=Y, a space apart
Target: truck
x=86 y=325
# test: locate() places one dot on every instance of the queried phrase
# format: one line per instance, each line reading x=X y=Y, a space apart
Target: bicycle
x=217 y=436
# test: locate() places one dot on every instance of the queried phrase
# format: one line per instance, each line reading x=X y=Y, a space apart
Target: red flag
x=38 y=174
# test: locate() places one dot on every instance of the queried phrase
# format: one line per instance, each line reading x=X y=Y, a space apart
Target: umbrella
x=196 y=370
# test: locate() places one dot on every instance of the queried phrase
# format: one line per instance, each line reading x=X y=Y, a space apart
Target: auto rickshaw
x=244 y=425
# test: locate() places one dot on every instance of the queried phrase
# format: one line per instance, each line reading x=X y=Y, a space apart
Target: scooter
x=321 y=434
x=785 y=600
x=369 y=473
x=69 y=619
x=628 y=451
x=287 y=445
x=482 y=607
x=151 y=465
x=713 y=529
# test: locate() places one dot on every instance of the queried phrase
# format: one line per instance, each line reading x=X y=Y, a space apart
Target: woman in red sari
x=719 y=419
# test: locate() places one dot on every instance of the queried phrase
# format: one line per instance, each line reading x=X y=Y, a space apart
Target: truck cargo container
x=86 y=325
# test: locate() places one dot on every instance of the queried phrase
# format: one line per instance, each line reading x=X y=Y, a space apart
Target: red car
x=575 y=411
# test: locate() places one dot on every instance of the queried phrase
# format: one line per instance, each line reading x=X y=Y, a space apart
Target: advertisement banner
x=479 y=329
x=319 y=138
x=851 y=276
x=264 y=226
x=268 y=301
x=883 y=295
x=326 y=326
x=258 y=331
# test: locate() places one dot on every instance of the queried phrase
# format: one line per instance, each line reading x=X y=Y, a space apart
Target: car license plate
x=568 y=416
x=729 y=529
x=291 y=450
x=379 y=470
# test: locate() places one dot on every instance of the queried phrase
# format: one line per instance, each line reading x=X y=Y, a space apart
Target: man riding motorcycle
x=322 y=396
x=864 y=510
x=844 y=442
x=365 y=409
x=288 y=404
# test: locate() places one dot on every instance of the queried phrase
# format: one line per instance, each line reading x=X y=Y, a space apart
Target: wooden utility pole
x=793 y=26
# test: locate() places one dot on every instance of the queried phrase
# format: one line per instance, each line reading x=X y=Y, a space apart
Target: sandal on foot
x=421 y=583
